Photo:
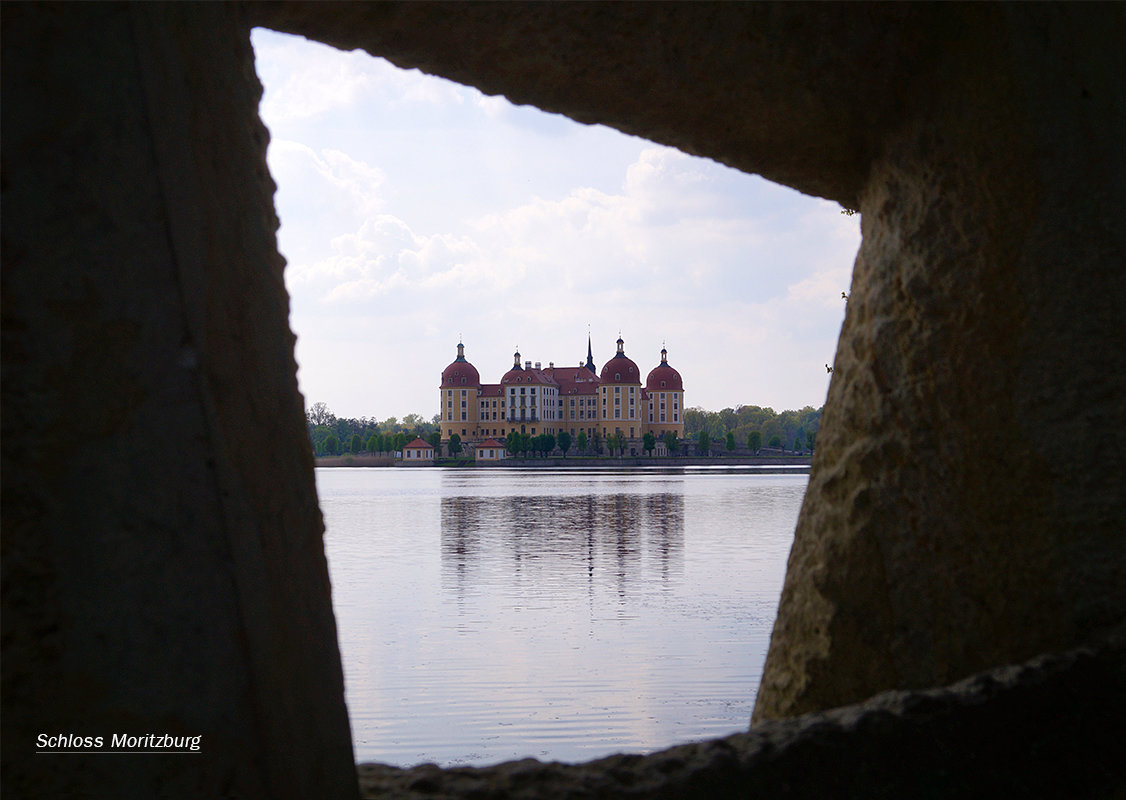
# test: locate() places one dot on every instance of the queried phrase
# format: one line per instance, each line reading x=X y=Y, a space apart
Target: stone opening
x=953 y=524
x=383 y=363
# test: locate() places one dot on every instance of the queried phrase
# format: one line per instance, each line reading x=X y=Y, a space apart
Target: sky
x=417 y=213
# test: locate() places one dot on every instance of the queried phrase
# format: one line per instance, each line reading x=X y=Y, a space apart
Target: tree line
x=518 y=444
x=754 y=427
x=331 y=435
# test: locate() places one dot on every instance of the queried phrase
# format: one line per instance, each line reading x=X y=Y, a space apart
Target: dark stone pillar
x=967 y=500
x=163 y=570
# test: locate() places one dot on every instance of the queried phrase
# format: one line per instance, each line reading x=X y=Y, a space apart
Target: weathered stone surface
x=958 y=517
x=163 y=570
x=1053 y=727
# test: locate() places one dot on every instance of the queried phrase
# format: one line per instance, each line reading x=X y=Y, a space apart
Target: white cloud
x=409 y=220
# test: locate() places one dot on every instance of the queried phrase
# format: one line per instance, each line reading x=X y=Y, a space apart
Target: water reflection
x=487 y=615
x=557 y=541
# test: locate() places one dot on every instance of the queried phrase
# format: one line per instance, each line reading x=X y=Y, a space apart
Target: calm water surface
x=492 y=614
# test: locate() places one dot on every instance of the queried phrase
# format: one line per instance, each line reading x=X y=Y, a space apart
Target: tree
x=512 y=442
x=357 y=444
x=703 y=442
x=730 y=442
x=454 y=444
x=648 y=442
x=754 y=441
x=372 y=445
x=596 y=443
x=318 y=414
x=548 y=443
x=810 y=440
x=401 y=440
x=671 y=443
x=581 y=442
x=435 y=441
x=564 y=442
x=776 y=441
x=318 y=436
x=332 y=445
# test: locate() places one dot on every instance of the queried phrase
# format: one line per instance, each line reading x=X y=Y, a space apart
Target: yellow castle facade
x=536 y=400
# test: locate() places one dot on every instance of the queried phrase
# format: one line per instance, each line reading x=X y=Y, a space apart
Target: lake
x=491 y=614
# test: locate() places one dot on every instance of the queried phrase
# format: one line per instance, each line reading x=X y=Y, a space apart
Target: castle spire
x=590 y=356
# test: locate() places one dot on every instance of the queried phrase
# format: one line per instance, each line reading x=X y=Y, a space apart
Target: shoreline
x=788 y=463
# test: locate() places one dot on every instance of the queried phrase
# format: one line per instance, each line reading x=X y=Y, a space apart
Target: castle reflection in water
x=616 y=539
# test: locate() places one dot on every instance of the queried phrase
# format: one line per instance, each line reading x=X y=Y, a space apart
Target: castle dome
x=460 y=372
x=663 y=378
x=620 y=369
x=516 y=374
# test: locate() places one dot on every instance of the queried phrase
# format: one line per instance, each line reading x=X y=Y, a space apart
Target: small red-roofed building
x=418 y=452
x=489 y=450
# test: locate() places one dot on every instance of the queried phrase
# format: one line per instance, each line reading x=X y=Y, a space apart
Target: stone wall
x=156 y=577
x=162 y=561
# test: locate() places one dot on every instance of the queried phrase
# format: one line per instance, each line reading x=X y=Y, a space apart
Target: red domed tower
x=460 y=385
x=620 y=396
x=664 y=399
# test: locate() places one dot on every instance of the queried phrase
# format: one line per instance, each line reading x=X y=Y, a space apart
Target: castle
x=534 y=400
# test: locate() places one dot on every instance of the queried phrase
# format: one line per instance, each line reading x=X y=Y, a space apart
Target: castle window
x=617 y=376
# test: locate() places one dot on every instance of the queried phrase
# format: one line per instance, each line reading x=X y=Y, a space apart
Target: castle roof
x=527 y=377
x=574 y=380
x=621 y=369
x=526 y=374
x=663 y=377
x=460 y=372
